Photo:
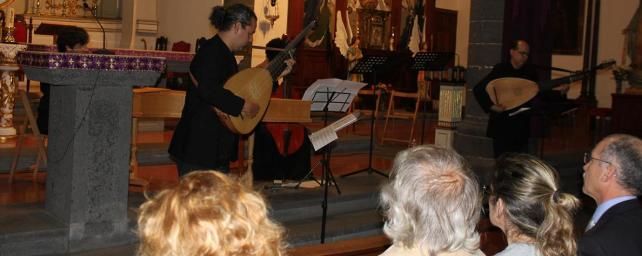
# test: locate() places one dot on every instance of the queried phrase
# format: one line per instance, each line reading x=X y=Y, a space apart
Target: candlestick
x=10 y=17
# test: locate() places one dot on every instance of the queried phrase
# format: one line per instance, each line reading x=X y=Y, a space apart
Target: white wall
x=615 y=17
x=266 y=32
x=185 y=20
x=177 y=26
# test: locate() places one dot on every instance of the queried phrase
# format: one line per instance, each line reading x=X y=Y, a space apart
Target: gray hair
x=432 y=201
x=626 y=152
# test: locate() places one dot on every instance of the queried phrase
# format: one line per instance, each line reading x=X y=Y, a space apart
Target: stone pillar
x=485 y=50
x=89 y=141
x=88 y=177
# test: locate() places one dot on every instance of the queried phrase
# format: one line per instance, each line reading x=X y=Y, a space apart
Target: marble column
x=485 y=46
x=8 y=87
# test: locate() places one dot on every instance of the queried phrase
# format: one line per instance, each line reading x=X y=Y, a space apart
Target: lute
x=255 y=85
x=513 y=92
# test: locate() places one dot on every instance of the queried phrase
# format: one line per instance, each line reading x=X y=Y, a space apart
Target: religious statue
x=354 y=56
x=633 y=44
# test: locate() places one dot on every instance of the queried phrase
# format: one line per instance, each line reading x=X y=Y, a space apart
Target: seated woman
x=527 y=205
x=69 y=39
x=432 y=204
x=208 y=213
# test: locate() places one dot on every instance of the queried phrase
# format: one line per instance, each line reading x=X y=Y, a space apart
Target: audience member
x=527 y=205
x=613 y=178
x=432 y=204
x=208 y=213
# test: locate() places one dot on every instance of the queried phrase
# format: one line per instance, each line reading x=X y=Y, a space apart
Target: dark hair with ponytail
x=223 y=18
x=529 y=188
x=69 y=37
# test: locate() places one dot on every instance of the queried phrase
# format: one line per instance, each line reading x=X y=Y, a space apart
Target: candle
x=624 y=47
x=10 y=17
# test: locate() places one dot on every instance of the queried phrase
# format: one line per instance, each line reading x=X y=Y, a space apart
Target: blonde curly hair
x=208 y=213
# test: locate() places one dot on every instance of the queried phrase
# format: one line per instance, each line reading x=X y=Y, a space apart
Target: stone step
x=306 y=205
x=30 y=230
x=338 y=227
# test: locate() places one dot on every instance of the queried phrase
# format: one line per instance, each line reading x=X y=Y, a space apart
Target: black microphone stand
x=104 y=50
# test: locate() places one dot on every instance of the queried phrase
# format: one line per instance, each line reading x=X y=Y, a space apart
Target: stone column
x=89 y=140
x=485 y=46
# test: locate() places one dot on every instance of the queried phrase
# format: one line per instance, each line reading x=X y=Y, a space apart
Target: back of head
x=533 y=203
x=208 y=213
x=432 y=201
x=515 y=43
x=274 y=43
x=223 y=18
x=69 y=37
x=626 y=152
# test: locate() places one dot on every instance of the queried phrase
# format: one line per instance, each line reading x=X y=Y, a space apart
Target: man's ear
x=609 y=173
x=237 y=27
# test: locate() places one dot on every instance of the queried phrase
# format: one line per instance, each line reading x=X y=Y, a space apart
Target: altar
x=89 y=141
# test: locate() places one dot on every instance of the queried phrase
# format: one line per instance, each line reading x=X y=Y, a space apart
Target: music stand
x=369 y=65
x=429 y=61
x=329 y=95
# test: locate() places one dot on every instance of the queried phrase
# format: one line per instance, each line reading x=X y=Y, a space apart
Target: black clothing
x=617 y=232
x=268 y=162
x=200 y=137
x=509 y=133
x=43 y=109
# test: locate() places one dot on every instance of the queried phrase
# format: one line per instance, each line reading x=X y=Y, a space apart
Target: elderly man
x=613 y=178
x=432 y=204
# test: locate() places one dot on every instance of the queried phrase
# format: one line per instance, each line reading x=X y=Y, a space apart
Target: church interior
x=411 y=84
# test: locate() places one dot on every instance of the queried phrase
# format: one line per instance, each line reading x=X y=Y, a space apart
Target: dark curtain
x=530 y=20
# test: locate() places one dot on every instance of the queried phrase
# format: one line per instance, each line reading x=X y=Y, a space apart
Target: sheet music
x=328 y=134
x=345 y=121
x=322 y=137
x=339 y=93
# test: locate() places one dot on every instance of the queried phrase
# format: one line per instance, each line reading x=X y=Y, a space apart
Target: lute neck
x=277 y=65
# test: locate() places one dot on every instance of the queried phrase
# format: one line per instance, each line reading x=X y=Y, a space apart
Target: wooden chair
x=151 y=102
x=179 y=80
x=181 y=46
x=393 y=112
x=357 y=104
x=29 y=122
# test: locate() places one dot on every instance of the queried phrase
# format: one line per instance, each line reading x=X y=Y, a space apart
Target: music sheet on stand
x=328 y=134
x=322 y=89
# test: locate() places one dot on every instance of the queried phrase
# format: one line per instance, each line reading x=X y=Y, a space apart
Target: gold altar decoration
x=4 y=3
x=65 y=8
x=8 y=85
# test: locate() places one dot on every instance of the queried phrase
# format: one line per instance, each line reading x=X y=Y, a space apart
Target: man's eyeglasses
x=588 y=158
x=523 y=53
